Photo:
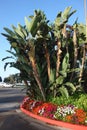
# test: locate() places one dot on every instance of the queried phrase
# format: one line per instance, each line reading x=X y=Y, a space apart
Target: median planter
x=31 y=108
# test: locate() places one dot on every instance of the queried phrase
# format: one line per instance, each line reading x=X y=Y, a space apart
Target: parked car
x=3 y=84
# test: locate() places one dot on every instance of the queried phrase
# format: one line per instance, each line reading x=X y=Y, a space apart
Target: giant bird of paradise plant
x=33 y=44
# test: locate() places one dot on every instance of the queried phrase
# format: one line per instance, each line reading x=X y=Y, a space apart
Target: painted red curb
x=53 y=122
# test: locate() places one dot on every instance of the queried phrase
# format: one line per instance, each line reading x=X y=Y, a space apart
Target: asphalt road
x=11 y=117
x=10 y=98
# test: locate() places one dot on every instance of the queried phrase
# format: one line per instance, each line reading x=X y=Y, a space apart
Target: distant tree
x=0 y=79
x=12 y=78
x=9 y=79
x=6 y=79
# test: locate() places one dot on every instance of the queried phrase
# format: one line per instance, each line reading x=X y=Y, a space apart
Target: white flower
x=86 y=121
x=41 y=111
x=64 y=110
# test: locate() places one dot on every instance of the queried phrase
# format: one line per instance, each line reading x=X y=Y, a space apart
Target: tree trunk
x=75 y=52
x=64 y=32
x=75 y=47
x=58 y=62
x=82 y=66
x=84 y=51
x=37 y=77
x=48 y=60
x=58 y=57
x=31 y=55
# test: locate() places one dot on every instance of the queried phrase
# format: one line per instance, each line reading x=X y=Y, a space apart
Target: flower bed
x=56 y=115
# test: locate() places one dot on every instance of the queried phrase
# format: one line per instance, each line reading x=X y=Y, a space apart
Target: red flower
x=80 y=115
x=68 y=118
x=48 y=110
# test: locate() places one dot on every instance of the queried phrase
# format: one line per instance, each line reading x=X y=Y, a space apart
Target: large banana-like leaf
x=64 y=91
x=73 y=70
x=65 y=62
x=32 y=25
x=23 y=30
x=36 y=22
x=66 y=14
x=7 y=58
x=28 y=24
x=10 y=32
x=8 y=63
x=71 y=86
x=52 y=76
x=58 y=19
x=82 y=28
x=6 y=35
x=82 y=33
x=60 y=80
x=21 y=58
x=63 y=73
x=12 y=53
x=62 y=18
x=18 y=31
x=26 y=67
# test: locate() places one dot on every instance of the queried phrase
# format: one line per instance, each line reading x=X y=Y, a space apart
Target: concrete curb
x=54 y=122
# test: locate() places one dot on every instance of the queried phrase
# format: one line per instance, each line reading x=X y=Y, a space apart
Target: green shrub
x=79 y=100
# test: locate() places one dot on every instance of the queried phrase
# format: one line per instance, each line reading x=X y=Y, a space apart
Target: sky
x=14 y=12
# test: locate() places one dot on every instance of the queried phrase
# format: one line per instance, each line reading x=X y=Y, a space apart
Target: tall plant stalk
x=84 y=53
x=47 y=60
x=75 y=47
x=75 y=51
x=64 y=32
x=82 y=66
x=58 y=57
x=37 y=78
x=35 y=71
